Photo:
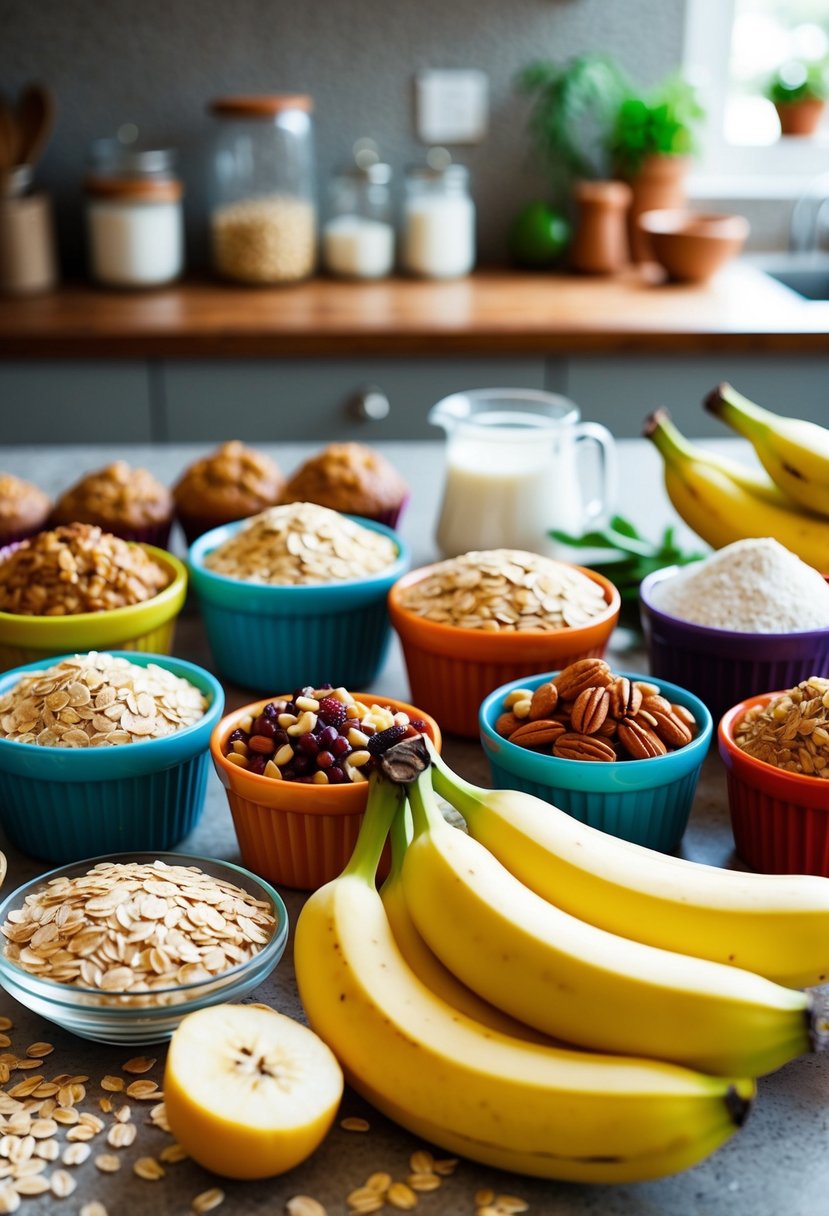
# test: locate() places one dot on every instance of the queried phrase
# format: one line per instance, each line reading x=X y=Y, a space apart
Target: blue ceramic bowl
x=645 y=801
x=276 y=637
x=129 y=1017
x=61 y=804
x=724 y=666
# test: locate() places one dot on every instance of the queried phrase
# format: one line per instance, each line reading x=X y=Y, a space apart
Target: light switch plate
x=452 y=106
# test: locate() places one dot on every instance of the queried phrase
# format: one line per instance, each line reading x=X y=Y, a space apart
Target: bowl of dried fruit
x=471 y=623
x=295 y=770
x=120 y=948
x=775 y=748
x=104 y=751
x=297 y=593
x=77 y=588
x=618 y=751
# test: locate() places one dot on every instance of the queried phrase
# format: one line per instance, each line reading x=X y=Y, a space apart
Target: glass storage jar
x=438 y=219
x=134 y=218
x=263 y=203
x=358 y=238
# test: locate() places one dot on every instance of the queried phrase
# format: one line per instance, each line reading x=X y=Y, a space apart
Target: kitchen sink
x=805 y=273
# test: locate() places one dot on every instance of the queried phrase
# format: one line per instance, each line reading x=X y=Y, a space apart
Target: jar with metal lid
x=134 y=215
x=438 y=219
x=263 y=220
x=358 y=237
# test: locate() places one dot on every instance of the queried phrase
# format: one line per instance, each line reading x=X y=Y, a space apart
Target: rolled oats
x=505 y=591
x=301 y=543
x=791 y=731
x=271 y=239
x=132 y=928
x=75 y=569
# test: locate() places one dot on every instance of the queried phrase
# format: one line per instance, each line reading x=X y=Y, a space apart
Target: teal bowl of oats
x=104 y=752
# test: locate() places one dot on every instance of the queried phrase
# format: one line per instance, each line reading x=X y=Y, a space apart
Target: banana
x=794 y=452
x=536 y=1110
x=776 y=925
x=583 y=984
x=721 y=509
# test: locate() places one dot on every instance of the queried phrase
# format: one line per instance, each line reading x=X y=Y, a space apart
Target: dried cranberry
x=340 y=746
x=418 y=724
x=324 y=760
x=238 y=736
x=385 y=739
x=336 y=776
x=280 y=737
x=256 y=764
x=332 y=712
x=270 y=710
x=265 y=726
x=308 y=744
x=327 y=735
x=302 y=764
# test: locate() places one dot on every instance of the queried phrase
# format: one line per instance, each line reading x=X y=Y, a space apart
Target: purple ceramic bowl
x=724 y=666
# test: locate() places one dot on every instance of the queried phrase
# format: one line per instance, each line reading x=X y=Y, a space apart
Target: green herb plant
x=799 y=80
x=661 y=123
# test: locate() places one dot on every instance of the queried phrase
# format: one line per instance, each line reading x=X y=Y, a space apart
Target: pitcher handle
x=602 y=505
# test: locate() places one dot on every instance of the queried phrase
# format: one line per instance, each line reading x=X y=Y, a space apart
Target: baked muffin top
x=116 y=496
x=348 y=477
x=230 y=483
x=23 y=506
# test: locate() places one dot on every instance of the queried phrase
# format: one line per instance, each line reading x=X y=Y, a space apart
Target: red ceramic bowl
x=780 y=819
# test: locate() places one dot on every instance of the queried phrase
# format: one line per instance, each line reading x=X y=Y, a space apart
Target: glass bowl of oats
x=297 y=595
x=104 y=752
x=120 y=948
x=76 y=588
x=775 y=748
x=474 y=622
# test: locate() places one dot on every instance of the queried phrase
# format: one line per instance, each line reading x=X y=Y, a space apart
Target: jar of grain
x=263 y=204
x=135 y=229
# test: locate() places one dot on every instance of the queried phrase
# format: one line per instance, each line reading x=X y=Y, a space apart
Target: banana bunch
x=724 y=501
x=478 y=1001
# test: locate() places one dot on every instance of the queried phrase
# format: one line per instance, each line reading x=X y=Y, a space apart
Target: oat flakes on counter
x=301 y=543
x=97 y=700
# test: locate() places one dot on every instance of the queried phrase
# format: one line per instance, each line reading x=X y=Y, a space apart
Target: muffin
x=24 y=509
x=127 y=502
x=353 y=479
x=231 y=483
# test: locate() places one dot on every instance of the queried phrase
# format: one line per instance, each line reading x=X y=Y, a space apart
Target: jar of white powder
x=358 y=238
x=438 y=219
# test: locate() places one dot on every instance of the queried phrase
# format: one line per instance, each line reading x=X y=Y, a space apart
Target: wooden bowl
x=691 y=246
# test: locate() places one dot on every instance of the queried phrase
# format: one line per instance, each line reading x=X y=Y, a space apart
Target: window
x=731 y=49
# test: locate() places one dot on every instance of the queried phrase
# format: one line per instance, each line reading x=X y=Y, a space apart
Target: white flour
x=752 y=586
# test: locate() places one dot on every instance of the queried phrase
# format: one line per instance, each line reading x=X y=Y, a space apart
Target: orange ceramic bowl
x=451 y=670
x=691 y=246
x=780 y=819
x=295 y=835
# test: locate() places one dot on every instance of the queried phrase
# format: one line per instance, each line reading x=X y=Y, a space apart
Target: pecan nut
x=655 y=703
x=544 y=701
x=625 y=698
x=506 y=723
x=542 y=733
x=639 y=740
x=584 y=673
x=573 y=746
x=589 y=711
x=671 y=730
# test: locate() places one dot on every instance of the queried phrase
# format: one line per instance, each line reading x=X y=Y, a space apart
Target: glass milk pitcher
x=513 y=470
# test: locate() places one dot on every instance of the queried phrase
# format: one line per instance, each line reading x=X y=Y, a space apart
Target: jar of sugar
x=438 y=219
x=358 y=238
x=135 y=229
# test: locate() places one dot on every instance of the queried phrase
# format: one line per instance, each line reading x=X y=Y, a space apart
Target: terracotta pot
x=600 y=240
x=799 y=117
x=692 y=246
x=659 y=185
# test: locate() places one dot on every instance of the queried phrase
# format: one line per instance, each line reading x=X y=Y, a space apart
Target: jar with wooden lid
x=263 y=214
x=135 y=226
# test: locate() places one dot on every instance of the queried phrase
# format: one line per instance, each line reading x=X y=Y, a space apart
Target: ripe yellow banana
x=794 y=452
x=721 y=509
x=776 y=925
x=583 y=984
x=536 y=1110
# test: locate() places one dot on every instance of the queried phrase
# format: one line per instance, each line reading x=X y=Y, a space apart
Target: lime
x=539 y=235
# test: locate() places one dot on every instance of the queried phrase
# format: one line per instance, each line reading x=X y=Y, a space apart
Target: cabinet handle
x=369 y=404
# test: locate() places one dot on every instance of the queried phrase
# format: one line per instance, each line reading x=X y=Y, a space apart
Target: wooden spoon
x=35 y=119
x=8 y=137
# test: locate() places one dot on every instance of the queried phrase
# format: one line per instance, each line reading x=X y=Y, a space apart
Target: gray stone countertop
x=776 y=1164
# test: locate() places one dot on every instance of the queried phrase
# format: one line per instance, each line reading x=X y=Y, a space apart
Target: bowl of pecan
x=619 y=751
x=104 y=751
x=775 y=748
x=118 y=949
x=78 y=588
x=471 y=623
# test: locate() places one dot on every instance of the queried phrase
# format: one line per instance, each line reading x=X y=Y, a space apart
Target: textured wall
x=157 y=63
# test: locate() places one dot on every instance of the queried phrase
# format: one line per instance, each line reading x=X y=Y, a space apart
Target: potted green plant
x=799 y=90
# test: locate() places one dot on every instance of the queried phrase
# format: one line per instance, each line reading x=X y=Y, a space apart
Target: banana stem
x=425 y=812
x=463 y=796
x=673 y=445
x=400 y=836
x=732 y=407
x=385 y=799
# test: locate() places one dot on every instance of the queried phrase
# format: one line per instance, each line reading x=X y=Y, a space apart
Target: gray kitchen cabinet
x=621 y=390
x=299 y=399
x=75 y=401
